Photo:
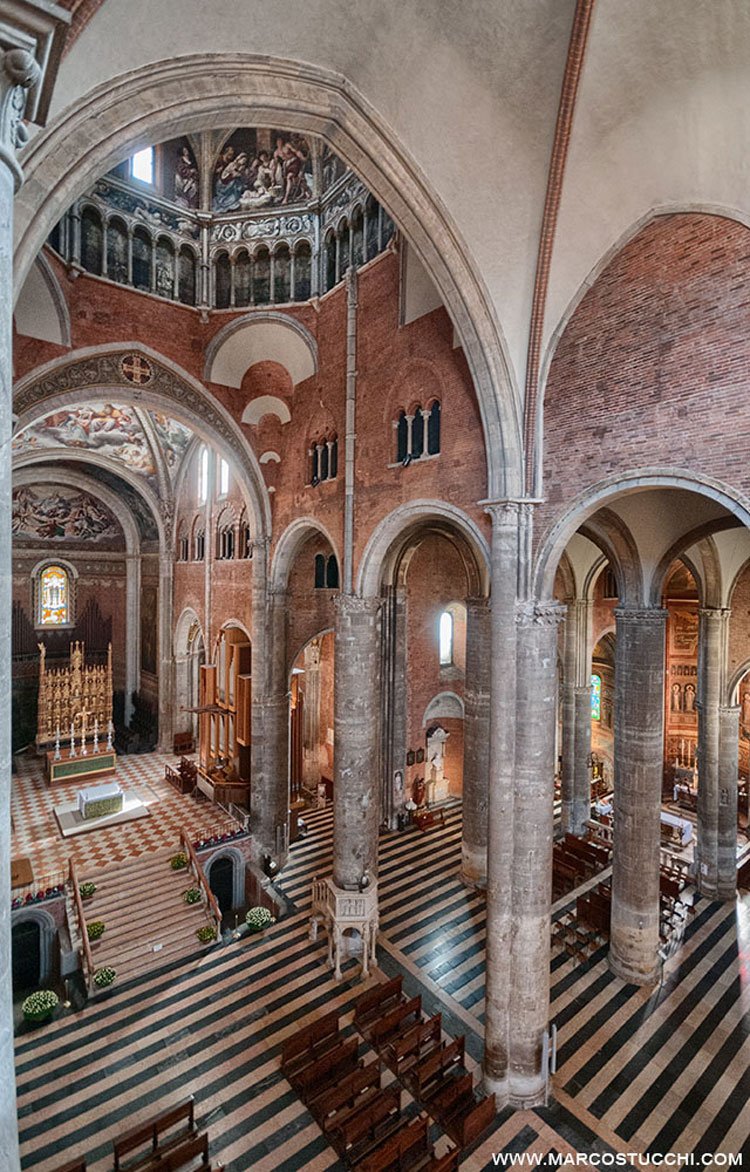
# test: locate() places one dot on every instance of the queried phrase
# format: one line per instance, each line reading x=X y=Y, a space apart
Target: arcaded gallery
x=375 y=479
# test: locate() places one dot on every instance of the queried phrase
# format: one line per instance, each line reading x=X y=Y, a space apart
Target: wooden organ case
x=225 y=722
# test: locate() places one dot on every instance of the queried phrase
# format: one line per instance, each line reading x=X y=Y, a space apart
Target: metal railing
x=47 y=883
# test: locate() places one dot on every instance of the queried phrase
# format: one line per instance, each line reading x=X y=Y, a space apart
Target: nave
x=638 y=1071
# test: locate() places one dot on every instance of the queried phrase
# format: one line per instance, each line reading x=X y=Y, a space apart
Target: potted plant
x=40 y=1006
x=258 y=918
x=206 y=933
x=179 y=861
x=95 y=929
x=192 y=895
x=87 y=890
x=104 y=977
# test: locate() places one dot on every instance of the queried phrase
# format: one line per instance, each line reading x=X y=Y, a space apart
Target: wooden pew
x=409 y=1146
x=446 y=1163
x=587 y=850
x=327 y=1101
x=376 y=1001
x=309 y=1043
x=153 y=1135
x=396 y=1021
x=452 y=1094
x=361 y=1132
x=189 y=1156
x=407 y=1049
x=327 y=1070
x=465 y=1126
x=72 y=1166
x=433 y=1067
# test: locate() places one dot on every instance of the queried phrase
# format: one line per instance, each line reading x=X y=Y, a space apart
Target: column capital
x=715 y=612
x=648 y=616
x=477 y=602
x=505 y=512
x=32 y=34
x=356 y=604
x=540 y=614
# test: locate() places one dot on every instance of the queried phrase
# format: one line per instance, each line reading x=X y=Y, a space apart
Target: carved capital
x=651 y=617
x=32 y=33
x=19 y=71
x=353 y=604
x=504 y=514
x=540 y=614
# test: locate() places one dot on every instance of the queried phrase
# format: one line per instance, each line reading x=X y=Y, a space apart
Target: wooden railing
x=87 y=957
x=197 y=870
x=220 y=829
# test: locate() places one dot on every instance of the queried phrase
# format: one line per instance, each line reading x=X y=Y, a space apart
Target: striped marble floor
x=661 y=1071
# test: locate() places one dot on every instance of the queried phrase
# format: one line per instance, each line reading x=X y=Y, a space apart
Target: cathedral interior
x=376 y=751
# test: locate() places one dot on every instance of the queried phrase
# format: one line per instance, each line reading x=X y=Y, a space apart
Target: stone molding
x=650 y=616
x=540 y=614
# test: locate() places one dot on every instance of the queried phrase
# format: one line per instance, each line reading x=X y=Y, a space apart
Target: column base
x=718 y=891
x=473 y=871
x=631 y=975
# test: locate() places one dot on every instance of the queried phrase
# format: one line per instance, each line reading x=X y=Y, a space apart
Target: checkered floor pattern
x=36 y=834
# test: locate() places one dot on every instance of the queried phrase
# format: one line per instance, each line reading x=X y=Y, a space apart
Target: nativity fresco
x=105 y=428
x=61 y=515
x=259 y=168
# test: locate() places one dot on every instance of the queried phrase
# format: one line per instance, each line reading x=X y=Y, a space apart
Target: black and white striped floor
x=639 y=1071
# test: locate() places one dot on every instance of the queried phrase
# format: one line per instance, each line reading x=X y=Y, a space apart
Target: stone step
x=140 y=965
x=164 y=906
x=122 y=944
x=170 y=886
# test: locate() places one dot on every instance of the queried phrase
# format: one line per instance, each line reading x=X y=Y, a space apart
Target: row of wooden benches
x=168 y=1142
x=431 y=1070
x=574 y=860
x=359 y=1117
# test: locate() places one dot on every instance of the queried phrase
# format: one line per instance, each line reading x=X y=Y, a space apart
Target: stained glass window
x=54 y=600
x=596 y=697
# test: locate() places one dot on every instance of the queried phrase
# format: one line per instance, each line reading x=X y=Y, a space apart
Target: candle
x=72 y=742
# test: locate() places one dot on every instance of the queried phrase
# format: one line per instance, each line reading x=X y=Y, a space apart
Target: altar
x=100 y=800
x=63 y=767
x=682 y=825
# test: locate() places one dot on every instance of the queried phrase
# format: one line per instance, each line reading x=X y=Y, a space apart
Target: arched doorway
x=27 y=955
x=221 y=882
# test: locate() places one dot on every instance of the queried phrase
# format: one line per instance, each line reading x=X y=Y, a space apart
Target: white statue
x=437 y=784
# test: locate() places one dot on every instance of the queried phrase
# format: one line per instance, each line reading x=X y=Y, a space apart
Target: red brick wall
x=654 y=364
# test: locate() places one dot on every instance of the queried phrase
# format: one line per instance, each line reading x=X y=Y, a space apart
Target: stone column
x=712 y=646
x=393 y=682
x=576 y=719
x=356 y=723
x=729 y=748
x=270 y=743
x=133 y=629
x=31 y=36
x=534 y=792
x=638 y=740
x=504 y=577
x=476 y=781
x=165 y=658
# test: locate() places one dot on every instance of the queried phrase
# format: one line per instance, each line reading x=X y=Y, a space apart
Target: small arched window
x=320 y=571
x=402 y=438
x=142 y=165
x=142 y=259
x=262 y=277
x=333 y=463
x=282 y=274
x=433 y=429
x=54 y=597
x=186 y=276
x=203 y=476
x=200 y=546
x=330 y=261
x=596 y=697
x=242 y=279
x=417 y=434
x=223 y=281
x=92 y=237
x=117 y=251
x=323 y=461
x=446 y=639
x=332 y=573
x=302 y=272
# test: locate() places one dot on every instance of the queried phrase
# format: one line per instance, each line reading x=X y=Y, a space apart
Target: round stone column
x=576 y=719
x=506 y=517
x=534 y=793
x=269 y=792
x=712 y=643
x=476 y=779
x=638 y=743
x=729 y=751
x=357 y=740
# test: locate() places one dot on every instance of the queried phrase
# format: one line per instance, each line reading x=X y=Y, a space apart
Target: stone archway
x=193 y=92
